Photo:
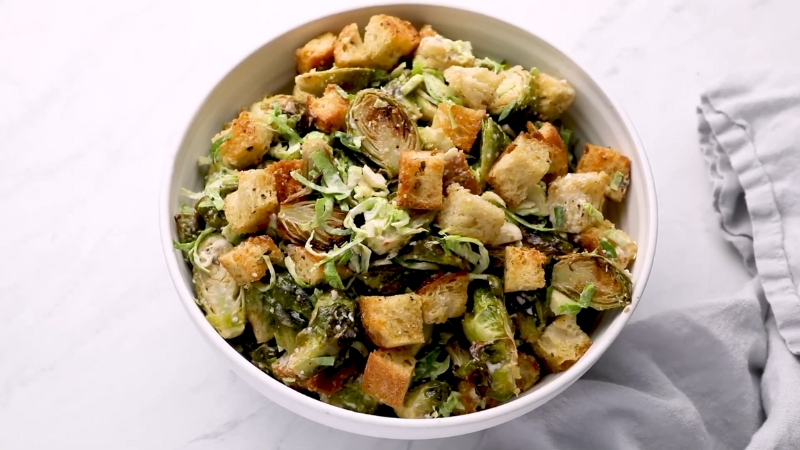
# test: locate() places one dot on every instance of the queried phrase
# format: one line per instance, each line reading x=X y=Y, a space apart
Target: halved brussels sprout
x=214 y=218
x=529 y=313
x=513 y=93
x=573 y=273
x=352 y=397
x=187 y=224
x=399 y=88
x=384 y=126
x=258 y=315
x=296 y=221
x=424 y=400
x=351 y=79
x=218 y=294
x=493 y=142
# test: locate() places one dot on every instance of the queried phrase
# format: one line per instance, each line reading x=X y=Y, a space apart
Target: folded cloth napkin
x=725 y=375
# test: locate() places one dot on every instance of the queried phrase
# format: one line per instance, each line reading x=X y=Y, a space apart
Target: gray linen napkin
x=724 y=374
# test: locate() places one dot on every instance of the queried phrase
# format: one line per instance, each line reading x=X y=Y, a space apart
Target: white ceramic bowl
x=271 y=69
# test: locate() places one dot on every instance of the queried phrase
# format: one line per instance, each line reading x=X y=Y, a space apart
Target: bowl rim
x=542 y=395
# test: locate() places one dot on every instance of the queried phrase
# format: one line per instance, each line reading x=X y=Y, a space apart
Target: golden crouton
x=523 y=269
x=248 y=209
x=562 y=343
x=470 y=399
x=287 y=187
x=520 y=166
x=420 y=178
x=553 y=96
x=386 y=40
x=245 y=262
x=466 y=214
x=388 y=375
x=427 y=31
x=329 y=111
x=457 y=171
x=444 y=297
x=613 y=163
x=439 y=53
x=575 y=199
x=249 y=140
x=392 y=321
x=459 y=123
x=529 y=371
x=316 y=54
x=559 y=161
x=614 y=244
x=305 y=265
x=476 y=85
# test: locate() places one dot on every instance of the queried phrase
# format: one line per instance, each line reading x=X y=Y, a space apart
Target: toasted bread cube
x=529 y=371
x=521 y=166
x=387 y=376
x=427 y=31
x=613 y=163
x=460 y=124
x=250 y=136
x=439 y=53
x=559 y=161
x=602 y=236
x=248 y=209
x=386 y=40
x=524 y=269
x=444 y=297
x=287 y=188
x=245 y=263
x=392 y=321
x=553 y=96
x=305 y=265
x=469 y=215
x=457 y=171
x=420 y=178
x=329 y=111
x=568 y=197
x=476 y=85
x=562 y=343
x=316 y=54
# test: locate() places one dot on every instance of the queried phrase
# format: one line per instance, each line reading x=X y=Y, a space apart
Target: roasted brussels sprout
x=218 y=294
x=464 y=365
x=400 y=88
x=488 y=327
x=263 y=357
x=424 y=400
x=493 y=142
x=390 y=279
x=214 y=218
x=296 y=221
x=258 y=315
x=513 y=93
x=351 y=79
x=529 y=313
x=384 y=126
x=332 y=328
x=187 y=224
x=577 y=274
x=432 y=364
x=550 y=244
x=295 y=301
x=352 y=397
x=431 y=251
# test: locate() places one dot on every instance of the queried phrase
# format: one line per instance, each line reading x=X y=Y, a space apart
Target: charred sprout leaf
x=257 y=311
x=352 y=397
x=187 y=225
x=263 y=357
x=488 y=327
x=351 y=79
x=218 y=294
x=573 y=273
x=551 y=244
x=464 y=365
x=431 y=365
x=296 y=221
x=432 y=251
x=389 y=280
x=424 y=401
x=294 y=300
x=332 y=328
x=493 y=142
x=529 y=313
x=384 y=126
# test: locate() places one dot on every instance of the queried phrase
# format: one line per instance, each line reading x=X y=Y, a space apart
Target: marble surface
x=96 y=350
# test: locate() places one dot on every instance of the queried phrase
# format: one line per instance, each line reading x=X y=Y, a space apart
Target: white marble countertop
x=97 y=351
